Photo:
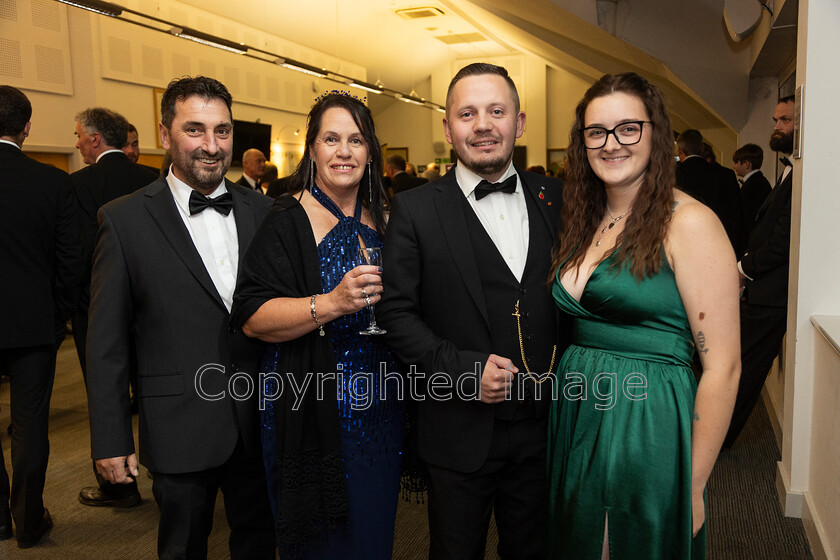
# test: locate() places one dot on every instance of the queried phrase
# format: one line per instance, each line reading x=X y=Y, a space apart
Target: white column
x=815 y=240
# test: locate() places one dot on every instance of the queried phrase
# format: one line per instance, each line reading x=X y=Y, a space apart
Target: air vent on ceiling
x=417 y=13
x=456 y=39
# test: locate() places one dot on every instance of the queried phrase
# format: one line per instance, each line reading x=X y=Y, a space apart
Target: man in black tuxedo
x=41 y=274
x=132 y=148
x=764 y=273
x=253 y=167
x=164 y=272
x=465 y=303
x=101 y=135
x=713 y=185
x=755 y=187
x=400 y=180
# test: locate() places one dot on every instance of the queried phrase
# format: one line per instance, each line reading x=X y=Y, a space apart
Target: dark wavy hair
x=585 y=198
x=111 y=125
x=371 y=191
x=180 y=89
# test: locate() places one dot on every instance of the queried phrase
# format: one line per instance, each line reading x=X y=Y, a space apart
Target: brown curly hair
x=585 y=199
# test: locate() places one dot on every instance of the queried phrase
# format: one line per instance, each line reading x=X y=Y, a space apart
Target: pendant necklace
x=610 y=225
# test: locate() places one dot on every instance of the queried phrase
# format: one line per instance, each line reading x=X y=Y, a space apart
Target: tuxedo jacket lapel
x=449 y=204
x=533 y=190
x=161 y=207
x=245 y=216
x=780 y=184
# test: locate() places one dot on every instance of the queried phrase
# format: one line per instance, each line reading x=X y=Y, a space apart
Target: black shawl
x=282 y=261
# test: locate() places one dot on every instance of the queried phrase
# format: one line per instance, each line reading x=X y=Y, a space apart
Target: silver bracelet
x=315 y=315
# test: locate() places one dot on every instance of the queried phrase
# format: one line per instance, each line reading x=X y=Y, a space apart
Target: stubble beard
x=197 y=178
x=488 y=166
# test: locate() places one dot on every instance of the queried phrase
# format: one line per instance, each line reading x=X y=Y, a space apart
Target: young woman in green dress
x=649 y=276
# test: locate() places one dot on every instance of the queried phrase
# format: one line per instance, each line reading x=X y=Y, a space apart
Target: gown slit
x=619 y=458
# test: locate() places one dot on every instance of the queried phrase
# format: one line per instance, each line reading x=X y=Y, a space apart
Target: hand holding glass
x=373 y=257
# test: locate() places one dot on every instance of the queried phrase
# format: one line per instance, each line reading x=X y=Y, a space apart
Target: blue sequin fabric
x=371 y=427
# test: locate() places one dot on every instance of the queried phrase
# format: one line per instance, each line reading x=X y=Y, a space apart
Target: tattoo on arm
x=696 y=417
x=674 y=207
x=701 y=342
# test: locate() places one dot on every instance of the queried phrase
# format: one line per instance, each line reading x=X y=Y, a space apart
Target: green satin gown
x=619 y=443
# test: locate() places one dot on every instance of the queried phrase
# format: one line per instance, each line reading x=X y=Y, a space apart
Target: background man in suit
x=432 y=172
x=466 y=261
x=755 y=187
x=101 y=134
x=717 y=189
x=253 y=167
x=164 y=271
x=400 y=179
x=132 y=148
x=41 y=274
x=764 y=273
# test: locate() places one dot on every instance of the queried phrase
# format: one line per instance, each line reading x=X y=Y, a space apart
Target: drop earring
x=370 y=187
x=311 y=174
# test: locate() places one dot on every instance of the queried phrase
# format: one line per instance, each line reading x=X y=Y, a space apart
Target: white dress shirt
x=10 y=143
x=213 y=235
x=743 y=179
x=251 y=182
x=504 y=217
x=107 y=152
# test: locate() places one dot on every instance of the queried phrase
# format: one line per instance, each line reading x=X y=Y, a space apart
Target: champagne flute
x=371 y=256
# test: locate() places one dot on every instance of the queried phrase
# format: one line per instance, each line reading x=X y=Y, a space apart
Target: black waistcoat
x=537 y=311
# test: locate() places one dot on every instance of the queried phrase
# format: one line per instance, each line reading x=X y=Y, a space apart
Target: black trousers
x=187 y=502
x=79 y=321
x=31 y=373
x=762 y=330
x=511 y=484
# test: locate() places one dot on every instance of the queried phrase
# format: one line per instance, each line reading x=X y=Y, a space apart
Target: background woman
x=333 y=462
x=648 y=274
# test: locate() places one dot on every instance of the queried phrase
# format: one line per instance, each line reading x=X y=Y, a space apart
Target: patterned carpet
x=745 y=520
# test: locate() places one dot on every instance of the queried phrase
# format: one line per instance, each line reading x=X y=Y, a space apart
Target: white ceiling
x=400 y=52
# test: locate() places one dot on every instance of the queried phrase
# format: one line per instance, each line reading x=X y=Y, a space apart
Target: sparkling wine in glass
x=373 y=257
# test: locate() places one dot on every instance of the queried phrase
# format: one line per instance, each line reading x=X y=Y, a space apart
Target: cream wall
x=821 y=511
x=565 y=90
x=401 y=124
x=118 y=65
x=809 y=466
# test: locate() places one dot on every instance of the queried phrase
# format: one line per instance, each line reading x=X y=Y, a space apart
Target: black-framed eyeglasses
x=626 y=134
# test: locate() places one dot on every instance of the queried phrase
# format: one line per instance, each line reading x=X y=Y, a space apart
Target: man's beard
x=485 y=167
x=782 y=143
x=196 y=177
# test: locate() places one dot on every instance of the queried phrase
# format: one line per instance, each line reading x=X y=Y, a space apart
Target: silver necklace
x=610 y=225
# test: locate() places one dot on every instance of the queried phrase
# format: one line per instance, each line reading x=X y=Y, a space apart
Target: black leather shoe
x=95 y=497
x=28 y=540
x=5 y=525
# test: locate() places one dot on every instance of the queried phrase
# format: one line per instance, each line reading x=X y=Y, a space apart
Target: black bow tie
x=222 y=204
x=785 y=161
x=486 y=187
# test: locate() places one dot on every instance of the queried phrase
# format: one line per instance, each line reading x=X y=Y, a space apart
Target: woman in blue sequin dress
x=332 y=418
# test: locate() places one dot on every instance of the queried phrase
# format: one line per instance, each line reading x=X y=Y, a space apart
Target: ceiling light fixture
x=365 y=86
x=209 y=40
x=115 y=11
x=96 y=6
x=301 y=67
x=414 y=100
